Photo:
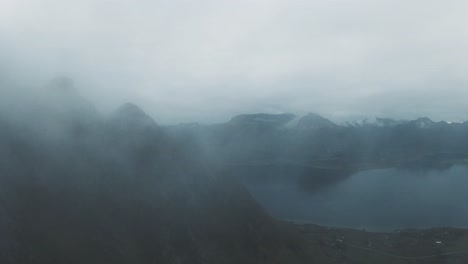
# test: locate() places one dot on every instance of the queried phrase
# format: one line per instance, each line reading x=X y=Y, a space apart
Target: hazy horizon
x=207 y=61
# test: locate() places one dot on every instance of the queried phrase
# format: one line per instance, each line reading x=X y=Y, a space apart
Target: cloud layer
x=208 y=60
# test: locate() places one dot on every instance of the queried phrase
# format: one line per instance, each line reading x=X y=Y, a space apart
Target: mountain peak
x=60 y=97
x=314 y=121
x=423 y=122
x=130 y=109
x=131 y=115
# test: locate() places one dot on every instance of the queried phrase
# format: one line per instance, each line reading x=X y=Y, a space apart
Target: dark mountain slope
x=123 y=192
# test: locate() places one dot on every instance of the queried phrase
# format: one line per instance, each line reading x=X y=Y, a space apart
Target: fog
x=184 y=132
x=77 y=185
x=119 y=180
x=207 y=61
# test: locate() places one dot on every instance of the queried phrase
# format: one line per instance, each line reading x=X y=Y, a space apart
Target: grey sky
x=185 y=60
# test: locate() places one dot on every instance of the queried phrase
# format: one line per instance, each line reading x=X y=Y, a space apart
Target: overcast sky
x=206 y=60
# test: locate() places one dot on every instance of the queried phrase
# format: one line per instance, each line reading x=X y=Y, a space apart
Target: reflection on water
x=384 y=199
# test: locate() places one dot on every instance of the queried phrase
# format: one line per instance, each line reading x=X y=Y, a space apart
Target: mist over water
x=380 y=200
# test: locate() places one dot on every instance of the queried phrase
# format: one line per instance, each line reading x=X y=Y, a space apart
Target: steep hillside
x=80 y=188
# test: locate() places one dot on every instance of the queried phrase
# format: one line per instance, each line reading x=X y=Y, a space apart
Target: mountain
x=80 y=187
x=130 y=116
x=314 y=121
x=263 y=145
x=422 y=122
x=124 y=192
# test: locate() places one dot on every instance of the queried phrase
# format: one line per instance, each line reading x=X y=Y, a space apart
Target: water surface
x=385 y=199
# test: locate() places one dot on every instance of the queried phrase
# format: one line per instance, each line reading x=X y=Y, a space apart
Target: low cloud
x=208 y=60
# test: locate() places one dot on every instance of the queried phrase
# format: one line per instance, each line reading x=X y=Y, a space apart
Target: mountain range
x=80 y=187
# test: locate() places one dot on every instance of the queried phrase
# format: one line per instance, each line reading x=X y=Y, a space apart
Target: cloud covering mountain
x=209 y=60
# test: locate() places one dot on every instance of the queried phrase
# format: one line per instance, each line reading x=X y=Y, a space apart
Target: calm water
x=375 y=200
